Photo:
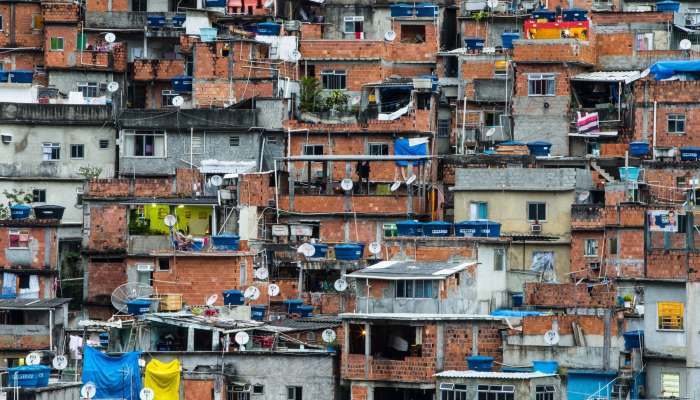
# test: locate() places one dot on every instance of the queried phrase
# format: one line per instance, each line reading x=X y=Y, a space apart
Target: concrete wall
x=491 y=285
x=67 y=81
x=532 y=121
x=520 y=257
x=62 y=193
x=524 y=389
x=377 y=21
x=666 y=342
x=654 y=369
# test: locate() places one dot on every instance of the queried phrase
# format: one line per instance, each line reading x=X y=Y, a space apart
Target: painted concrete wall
x=663 y=341
x=67 y=81
x=491 y=287
x=62 y=193
x=377 y=21
x=655 y=368
x=532 y=121
x=524 y=389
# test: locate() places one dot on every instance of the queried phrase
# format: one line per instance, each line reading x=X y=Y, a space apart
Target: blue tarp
x=403 y=148
x=516 y=313
x=115 y=377
x=666 y=69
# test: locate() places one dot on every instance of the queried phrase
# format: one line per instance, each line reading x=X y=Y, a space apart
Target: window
x=478 y=210
x=670 y=384
x=313 y=149
x=56 y=44
x=37 y=21
x=2 y=27
x=166 y=97
x=104 y=144
x=536 y=212
x=237 y=392
x=271 y=140
x=24 y=282
x=88 y=89
x=243 y=272
x=492 y=118
x=681 y=181
x=500 y=68
x=234 y=141
x=499 y=259
x=39 y=196
x=19 y=238
x=378 y=149
x=422 y=289
x=670 y=315
x=294 y=393
x=164 y=264
x=354 y=26
x=612 y=245
x=198 y=143
x=676 y=123
x=443 y=128
x=333 y=79
x=495 y=392
x=144 y=143
x=540 y=85
x=645 y=41
x=52 y=151
x=453 y=391
x=544 y=392
x=412 y=33
x=77 y=151
x=258 y=389
x=590 y=247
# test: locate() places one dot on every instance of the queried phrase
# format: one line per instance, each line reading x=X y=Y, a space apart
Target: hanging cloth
x=115 y=377
x=163 y=378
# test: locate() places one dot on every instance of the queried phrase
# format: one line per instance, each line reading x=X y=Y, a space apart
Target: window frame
x=19 y=233
x=168 y=94
x=549 y=90
x=156 y=133
x=57 y=39
x=659 y=324
x=537 y=212
x=37 y=21
x=354 y=19
x=54 y=153
x=315 y=147
x=201 y=147
x=676 y=119
x=545 y=392
x=383 y=148
x=159 y=266
x=408 y=289
x=480 y=206
x=234 y=141
x=501 y=253
x=37 y=198
x=334 y=79
x=91 y=88
x=2 y=21
x=298 y=390
x=444 y=127
x=501 y=392
x=669 y=374
x=586 y=247
x=75 y=146
x=103 y=141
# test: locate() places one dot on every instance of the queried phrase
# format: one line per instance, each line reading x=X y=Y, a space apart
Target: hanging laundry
x=404 y=147
x=115 y=377
x=163 y=378
x=587 y=123
x=9 y=285
x=74 y=345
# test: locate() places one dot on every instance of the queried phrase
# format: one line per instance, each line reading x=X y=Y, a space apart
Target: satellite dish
x=395 y=186
x=307 y=250
x=33 y=358
x=252 y=293
x=492 y=3
x=490 y=132
x=170 y=220
x=410 y=179
x=295 y=55
x=551 y=337
x=685 y=44
x=212 y=299
x=375 y=248
x=142 y=362
x=60 y=362
x=178 y=101
x=88 y=391
x=328 y=335
x=130 y=291
x=113 y=87
x=216 y=180
x=110 y=37
x=147 y=394
x=241 y=338
x=346 y=184
x=340 y=285
x=261 y=273
x=390 y=36
x=273 y=290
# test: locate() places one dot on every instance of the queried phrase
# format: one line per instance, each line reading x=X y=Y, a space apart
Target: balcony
x=587 y=217
x=112 y=58
x=147 y=244
x=65 y=114
x=158 y=70
x=135 y=20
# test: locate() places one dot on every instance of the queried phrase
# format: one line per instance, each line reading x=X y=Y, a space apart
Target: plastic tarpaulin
x=115 y=377
x=666 y=69
x=409 y=147
x=163 y=378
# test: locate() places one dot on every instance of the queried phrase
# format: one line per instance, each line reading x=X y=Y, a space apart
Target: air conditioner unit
x=6 y=137
x=144 y=267
x=536 y=228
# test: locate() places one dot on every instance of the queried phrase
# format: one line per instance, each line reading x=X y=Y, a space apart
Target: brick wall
x=104 y=5
x=357 y=73
x=664 y=183
x=147 y=70
x=103 y=278
x=254 y=189
x=669 y=264
x=311 y=31
x=186 y=180
x=427 y=251
x=566 y=50
x=377 y=205
x=198 y=389
x=358 y=392
x=562 y=84
x=108 y=228
x=24 y=34
x=60 y=12
x=568 y=295
x=38 y=247
x=24 y=342
x=591 y=324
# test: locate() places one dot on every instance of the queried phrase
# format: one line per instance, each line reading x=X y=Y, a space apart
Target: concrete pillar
x=215 y=341
x=475 y=339
x=190 y=339
x=607 y=320
x=692 y=328
x=368 y=347
x=439 y=346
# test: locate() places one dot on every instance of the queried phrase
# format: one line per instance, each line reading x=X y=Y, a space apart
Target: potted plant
x=628 y=300
x=19 y=200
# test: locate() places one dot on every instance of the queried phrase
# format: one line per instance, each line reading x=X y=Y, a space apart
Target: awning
x=608 y=76
x=226 y=167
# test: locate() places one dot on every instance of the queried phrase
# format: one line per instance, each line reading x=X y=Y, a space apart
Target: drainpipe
x=653 y=146
x=51 y=329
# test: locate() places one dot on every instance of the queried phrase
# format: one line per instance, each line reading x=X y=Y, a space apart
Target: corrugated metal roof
x=420 y=317
x=492 y=375
x=391 y=270
x=608 y=76
x=16 y=304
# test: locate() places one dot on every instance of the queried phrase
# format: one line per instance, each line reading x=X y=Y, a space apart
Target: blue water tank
x=348 y=251
x=544 y=14
x=257 y=312
x=539 y=148
x=306 y=311
x=29 y=376
x=182 y=83
x=268 y=28
x=20 y=211
x=480 y=363
x=401 y=10
x=426 y=10
x=639 y=149
x=517 y=299
x=179 y=20
x=545 y=366
x=629 y=174
x=226 y=242
x=667 y=6
x=320 y=250
x=4 y=76
x=574 y=14
x=633 y=339
x=489 y=228
x=138 y=306
x=293 y=305
x=508 y=37
x=474 y=43
x=690 y=153
x=21 y=76
x=467 y=228
x=437 y=229
x=216 y=3
x=156 y=20
x=409 y=228
x=233 y=298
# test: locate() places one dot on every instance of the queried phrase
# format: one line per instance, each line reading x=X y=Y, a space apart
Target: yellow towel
x=164 y=379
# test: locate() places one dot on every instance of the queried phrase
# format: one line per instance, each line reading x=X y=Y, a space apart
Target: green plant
x=18 y=196
x=310 y=94
x=481 y=15
x=627 y=297
x=337 y=100
x=90 y=172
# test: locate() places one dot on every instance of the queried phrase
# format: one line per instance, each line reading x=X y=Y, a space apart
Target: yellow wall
x=194 y=217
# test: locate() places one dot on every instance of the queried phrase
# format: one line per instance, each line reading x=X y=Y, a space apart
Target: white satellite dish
x=261 y=273
x=328 y=335
x=178 y=101
x=273 y=290
x=60 y=362
x=88 y=391
x=110 y=37
x=33 y=359
x=395 y=186
x=216 y=180
x=147 y=394
x=252 y=293
x=490 y=132
x=212 y=299
x=410 y=179
x=170 y=220
x=375 y=248
x=241 y=338
x=685 y=44
x=390 y=36
x=142 y=362
x=551 y=337
x=113 y=86
x=307 y=250
x=295 y=55
x=346 y=184
x=492 y=3
x=340 y=285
